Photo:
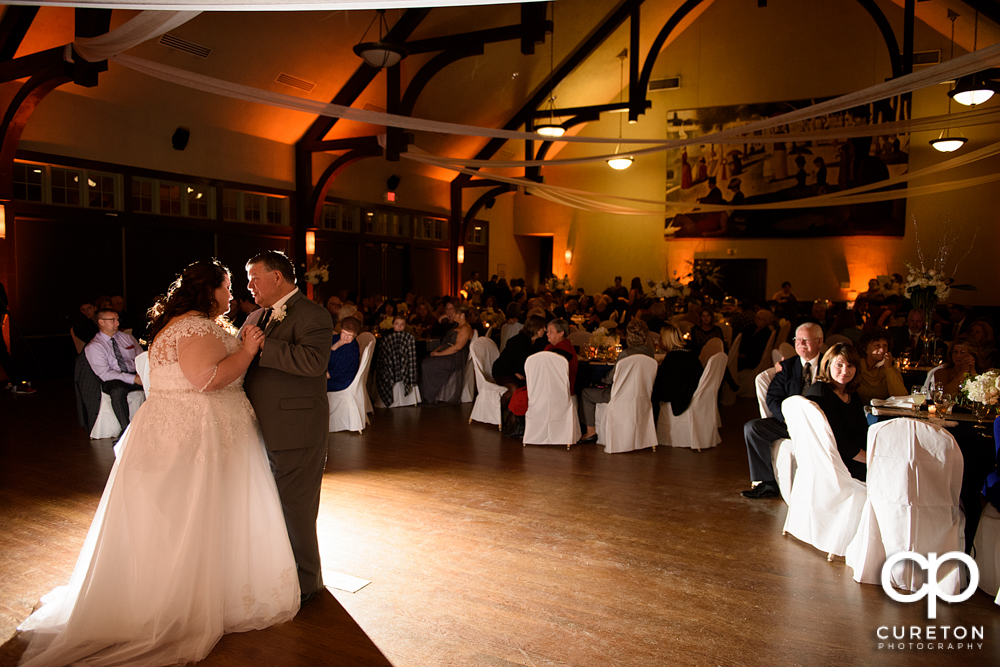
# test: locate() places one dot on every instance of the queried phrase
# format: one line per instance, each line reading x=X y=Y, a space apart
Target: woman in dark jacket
x=678 y=376
x=835 y=392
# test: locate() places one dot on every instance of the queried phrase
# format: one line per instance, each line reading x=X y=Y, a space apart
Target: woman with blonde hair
x=678 y=375
x=836 y=393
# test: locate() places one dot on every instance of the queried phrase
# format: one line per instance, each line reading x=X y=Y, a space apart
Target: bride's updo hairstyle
x=194 y=290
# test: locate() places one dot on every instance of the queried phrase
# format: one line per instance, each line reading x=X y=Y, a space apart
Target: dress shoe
x=763 y=490
x=306 y=598
x=587 y=441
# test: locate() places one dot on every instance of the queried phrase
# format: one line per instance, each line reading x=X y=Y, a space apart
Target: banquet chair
x=929 y=381
x=625 y=423
x=551 y=418
x=826 y=502
x=469 y=383
x=486 y=409
x=713 y=347
x=107 y=425
x=830 y=341
x=914 y=481
x=610 y=326
x=508 y=330
x=697 y=427
x=142 y=368
x=782 y=452
x=728 y=395
x=783 y=351
x=987 y=551
x=400 y=399
x=747 y=376
x=347 y=406
x=727 y=333
x=783 y=331
x=77 y=343
x=579 y=338
x=366 y=338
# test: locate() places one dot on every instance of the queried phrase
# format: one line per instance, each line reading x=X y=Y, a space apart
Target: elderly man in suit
x=794 y=377
x=286 y=384
x=906 y=339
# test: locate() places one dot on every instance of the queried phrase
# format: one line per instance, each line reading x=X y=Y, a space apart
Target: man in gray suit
x=286 y=384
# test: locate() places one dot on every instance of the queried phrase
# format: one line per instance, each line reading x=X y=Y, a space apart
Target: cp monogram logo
x=930 y=590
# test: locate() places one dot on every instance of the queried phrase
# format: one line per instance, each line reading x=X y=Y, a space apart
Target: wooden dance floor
x=484 y=552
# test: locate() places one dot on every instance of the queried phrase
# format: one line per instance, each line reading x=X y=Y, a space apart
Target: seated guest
x=818 y=313
x=345 y=356
x=347 y=310
x=890 y=316
x=111 y=354
x=678 y=376
x=906 y=339
x=706 y=330
x=878 y=375
x=333 y=306
x=446 y=323
x=656 y=317
x=421 y=317
x=755 y=339
x=125 y=320
x=637 y=339
x=740 y=314
x=397 y=361
x=981 y=331
x=795 y=376
x=959 y=322
x=991 y=489
x=556 y=333
x=443 y=372
x=85 y=324
x=846 y=324
x=964 y=358
x=508 y=369
x=835 y=392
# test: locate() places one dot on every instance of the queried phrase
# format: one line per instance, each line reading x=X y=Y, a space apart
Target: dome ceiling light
x=379 y=54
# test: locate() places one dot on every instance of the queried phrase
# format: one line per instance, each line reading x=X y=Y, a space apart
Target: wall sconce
x=569 y=257
x=3 y=220
x=310 y=243
x=461 y=254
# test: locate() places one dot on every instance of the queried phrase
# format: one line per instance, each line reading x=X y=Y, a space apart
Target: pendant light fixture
x=971 y=89
x=551 y=130
x=620 y=162
x=379 y=54
x=945 y=142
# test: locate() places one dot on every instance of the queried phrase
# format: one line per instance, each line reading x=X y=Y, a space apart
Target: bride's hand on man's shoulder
x=253 y=339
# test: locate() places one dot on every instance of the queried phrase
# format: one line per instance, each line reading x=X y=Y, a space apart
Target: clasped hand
x=253 y=339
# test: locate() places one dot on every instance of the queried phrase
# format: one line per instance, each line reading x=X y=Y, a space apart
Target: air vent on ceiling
x=926 y=58
x=183 y=45
x=505 y=155
x=657 y=85
x=295 y=82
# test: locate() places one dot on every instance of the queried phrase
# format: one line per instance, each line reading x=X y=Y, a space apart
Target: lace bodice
x=185 y=355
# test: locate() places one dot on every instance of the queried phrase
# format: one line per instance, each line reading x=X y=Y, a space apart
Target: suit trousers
x=298 y=474
x=759 y=434
x=590 y=397
x=119 y=391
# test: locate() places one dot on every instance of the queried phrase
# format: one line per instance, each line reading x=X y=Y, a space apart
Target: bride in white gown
x=189 y=540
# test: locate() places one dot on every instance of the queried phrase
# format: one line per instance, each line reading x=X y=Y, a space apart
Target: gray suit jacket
x=286 y=382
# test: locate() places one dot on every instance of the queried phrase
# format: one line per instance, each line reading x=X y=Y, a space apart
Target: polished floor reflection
x=484 y=552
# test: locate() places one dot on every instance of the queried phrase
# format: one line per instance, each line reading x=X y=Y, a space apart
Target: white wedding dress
x=189 y=540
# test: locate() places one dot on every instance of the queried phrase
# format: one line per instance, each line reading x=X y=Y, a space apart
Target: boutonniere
x=279 y=313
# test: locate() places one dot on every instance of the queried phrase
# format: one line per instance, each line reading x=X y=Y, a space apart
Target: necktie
x=807 y=376
x=118 y=356
x=265 y=318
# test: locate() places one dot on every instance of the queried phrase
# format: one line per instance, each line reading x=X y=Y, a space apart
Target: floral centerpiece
x=929 y=283
x=984 y=391
x=668 y=289
x=559 y=284
x=602 y=343
x=492 y=318
x=319 y=272
x=386 y=323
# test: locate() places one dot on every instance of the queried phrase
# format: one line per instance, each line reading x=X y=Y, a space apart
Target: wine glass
x=944 y=401
x=919 y=394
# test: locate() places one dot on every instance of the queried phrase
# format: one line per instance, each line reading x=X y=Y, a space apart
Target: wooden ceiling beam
x=13 y=27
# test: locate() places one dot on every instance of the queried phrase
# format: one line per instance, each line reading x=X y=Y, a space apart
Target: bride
x=189 y=541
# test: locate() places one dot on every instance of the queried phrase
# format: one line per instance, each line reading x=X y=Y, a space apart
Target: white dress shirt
x=102 y=359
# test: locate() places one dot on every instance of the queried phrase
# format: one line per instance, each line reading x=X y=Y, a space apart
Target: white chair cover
x=914 y=482
x=826 y=502
x=508 y=330
x=399 y=397
x=486 y=409
x=727 y=332
x=366 y=338
x=610 y=325
x=930 y=376
x=747 y=377
x=626 y=422
x=712 y=348
x=728 y=395
x=142 y=368
x=579 y=338
x=783 y=331
x=782 y=452
x=551 y=418
x=347 y=406
x=469 y=383
x=106 y=425
x=837 y=338
x=987 y=550
x=697 y=427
